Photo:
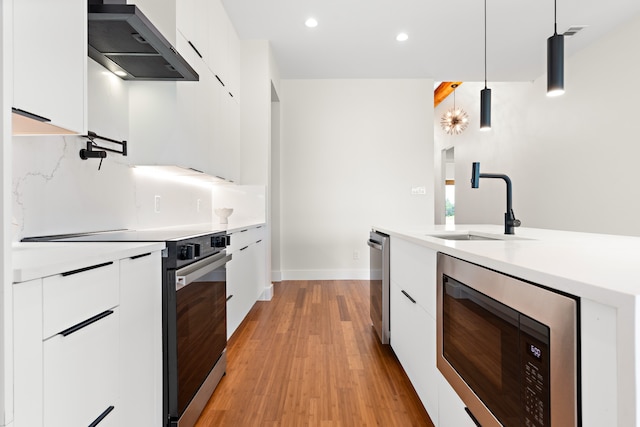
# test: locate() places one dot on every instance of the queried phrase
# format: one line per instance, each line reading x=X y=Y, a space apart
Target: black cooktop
x=151 y=235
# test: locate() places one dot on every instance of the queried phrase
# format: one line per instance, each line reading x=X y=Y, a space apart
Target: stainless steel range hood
x=122 y=39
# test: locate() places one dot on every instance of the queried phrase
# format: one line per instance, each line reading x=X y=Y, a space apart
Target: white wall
x=274 y=202
x=351 y=151
x=573 y=159
x=6 y=299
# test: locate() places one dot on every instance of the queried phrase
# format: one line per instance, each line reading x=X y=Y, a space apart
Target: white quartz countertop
x=214 y=227
x=605 y=268
x=36 y=260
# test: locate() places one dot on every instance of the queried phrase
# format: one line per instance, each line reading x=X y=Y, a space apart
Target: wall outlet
x=156 y=204
x=418 y=190
x=356 y=255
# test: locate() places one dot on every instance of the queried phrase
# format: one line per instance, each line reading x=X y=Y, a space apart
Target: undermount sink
x=470 y=236
x=466 y=236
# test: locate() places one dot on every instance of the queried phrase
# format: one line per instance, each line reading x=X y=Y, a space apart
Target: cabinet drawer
x=245 y=237
x=413 y=339
x=413 y=268
x=81 y=375
x=73 y=297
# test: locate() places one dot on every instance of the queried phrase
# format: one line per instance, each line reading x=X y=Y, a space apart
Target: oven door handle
x=190 y=273
x=375 y=245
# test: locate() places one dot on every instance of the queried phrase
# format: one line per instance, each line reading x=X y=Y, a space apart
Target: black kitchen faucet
x=510 y=221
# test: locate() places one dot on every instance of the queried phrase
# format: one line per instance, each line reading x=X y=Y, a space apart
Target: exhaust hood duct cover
x=122 y=38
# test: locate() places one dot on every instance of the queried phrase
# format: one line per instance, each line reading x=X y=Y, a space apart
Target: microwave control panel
x=535 y=384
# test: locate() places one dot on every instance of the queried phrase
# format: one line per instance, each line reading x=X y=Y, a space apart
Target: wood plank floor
x=310 y=357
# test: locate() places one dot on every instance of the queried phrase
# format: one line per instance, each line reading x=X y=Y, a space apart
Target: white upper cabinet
x=192 y=22
x=162 y=15
x=218 y=46
x=233 y=62
x=49 y=66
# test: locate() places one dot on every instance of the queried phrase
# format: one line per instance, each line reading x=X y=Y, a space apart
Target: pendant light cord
x=555 y=17
x=485 y=44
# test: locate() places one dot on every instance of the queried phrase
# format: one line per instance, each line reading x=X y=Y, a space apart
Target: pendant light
x=455 y=120
x=555 y=59
x=485 y=94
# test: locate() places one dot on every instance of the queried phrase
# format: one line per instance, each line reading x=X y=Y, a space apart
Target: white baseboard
x=324 y=275
x=267 y=294
x=276 y=276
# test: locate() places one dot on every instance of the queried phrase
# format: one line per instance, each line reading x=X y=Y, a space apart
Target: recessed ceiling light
x=311 y=23
x=402 y=37
x=120 y=73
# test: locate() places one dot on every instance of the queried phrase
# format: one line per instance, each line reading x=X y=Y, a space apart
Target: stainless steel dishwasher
x=379 y=284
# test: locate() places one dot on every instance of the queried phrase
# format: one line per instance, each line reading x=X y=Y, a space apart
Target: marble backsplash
x=56 y=192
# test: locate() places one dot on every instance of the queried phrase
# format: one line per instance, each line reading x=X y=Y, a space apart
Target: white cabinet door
x=451 y=410
x=245 y=274
x=50 y=62
x=141 y=340
x=81 y=375
x=240 y=276
x=218 y=43
x=27 y=347
x=230 y=144
x=233 y=68
x=413 y=340
x=191 y=20
x=161 y=13
x=260 y=260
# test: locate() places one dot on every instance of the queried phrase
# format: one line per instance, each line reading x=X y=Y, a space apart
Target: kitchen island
x=602 y=271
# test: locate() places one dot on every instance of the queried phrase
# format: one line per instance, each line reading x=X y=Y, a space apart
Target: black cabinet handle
x=102 y=416
x=94 y=319
x=194 y=48
x=29 y=115
x=229 y=297
x=408 y=296
x=140 y=256
x=472 y=417
x=244 y=248
x=80 y=270
x=219 y=80
x=259 y=241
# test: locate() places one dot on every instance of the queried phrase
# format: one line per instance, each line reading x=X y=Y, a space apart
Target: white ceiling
x=356 y=38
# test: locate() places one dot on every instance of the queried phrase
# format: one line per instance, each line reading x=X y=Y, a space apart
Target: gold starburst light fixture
x=455 y=120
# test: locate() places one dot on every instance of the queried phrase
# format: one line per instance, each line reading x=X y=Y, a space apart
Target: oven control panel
x=189 y=251
x=194 y=248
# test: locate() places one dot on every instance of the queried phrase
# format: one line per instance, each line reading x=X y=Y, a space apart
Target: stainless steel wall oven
x=509 y=348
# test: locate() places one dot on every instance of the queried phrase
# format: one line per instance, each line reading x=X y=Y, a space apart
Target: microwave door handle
x=187 y=275
x=375 y=245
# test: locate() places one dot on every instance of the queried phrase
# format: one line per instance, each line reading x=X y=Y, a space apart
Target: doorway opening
x=449 y=187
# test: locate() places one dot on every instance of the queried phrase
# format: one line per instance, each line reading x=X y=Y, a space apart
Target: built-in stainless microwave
x=509 y=348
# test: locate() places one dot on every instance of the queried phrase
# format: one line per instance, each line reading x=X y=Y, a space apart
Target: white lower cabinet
x=414 y=342
x=88 y=346
x=81 y=375
x=245 y=275
x=414 y=333
x=451 y=409
x=141 y=341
